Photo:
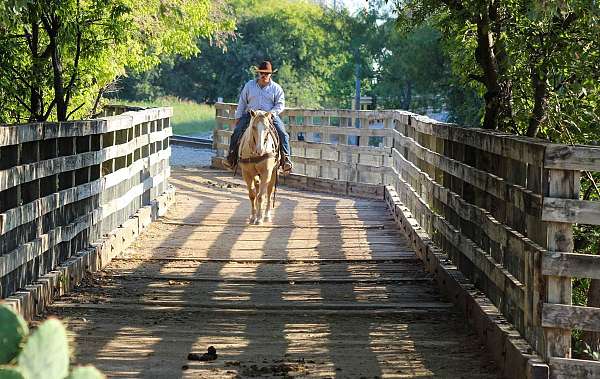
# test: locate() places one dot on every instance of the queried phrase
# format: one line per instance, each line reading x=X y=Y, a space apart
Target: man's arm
x=279 y=105
x=242 y=103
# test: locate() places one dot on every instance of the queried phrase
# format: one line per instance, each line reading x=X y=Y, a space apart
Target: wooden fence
x=64 y=185
x=500 y=206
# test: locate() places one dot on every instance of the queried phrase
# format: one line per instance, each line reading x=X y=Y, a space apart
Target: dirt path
x=329 y=289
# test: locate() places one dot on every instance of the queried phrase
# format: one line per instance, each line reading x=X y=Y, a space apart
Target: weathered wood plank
x=17 y=175
x=495 y=230
x=571 y=211
x=32 y=249
x=519 y=197
x=494 y=272
x=527 y=150
x=16 y=217
x=563 y=368
x=559 y=238
x=571 y=317
x=576 y=158
x=571 y=265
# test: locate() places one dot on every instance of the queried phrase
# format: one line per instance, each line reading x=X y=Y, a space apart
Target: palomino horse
x=259 y=160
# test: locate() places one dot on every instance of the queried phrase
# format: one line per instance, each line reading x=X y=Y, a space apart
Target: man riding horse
x=266 y=95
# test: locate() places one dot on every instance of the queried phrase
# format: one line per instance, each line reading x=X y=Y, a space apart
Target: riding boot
x=286 y=164
x=231 y=160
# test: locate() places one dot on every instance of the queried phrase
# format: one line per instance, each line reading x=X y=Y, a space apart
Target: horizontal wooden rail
x=571 y=317
x=65 y=185
x=573 y=211
x=571 y=265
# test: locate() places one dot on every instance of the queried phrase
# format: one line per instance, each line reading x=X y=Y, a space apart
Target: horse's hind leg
x=249 y=179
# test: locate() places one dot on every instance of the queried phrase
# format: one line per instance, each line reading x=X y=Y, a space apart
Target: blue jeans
x=243 y=124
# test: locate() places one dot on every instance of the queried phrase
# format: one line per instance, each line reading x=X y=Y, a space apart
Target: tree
x=523 y=56
x=58 y=57
x=413 y=70
x=303 y=40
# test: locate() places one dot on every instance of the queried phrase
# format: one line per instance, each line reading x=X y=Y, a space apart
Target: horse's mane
x=248 y=140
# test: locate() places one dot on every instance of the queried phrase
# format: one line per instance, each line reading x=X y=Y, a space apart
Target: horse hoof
x=258 y=221
x=252 y=220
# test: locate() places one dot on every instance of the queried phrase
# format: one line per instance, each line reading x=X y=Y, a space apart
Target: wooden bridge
x=398 y=246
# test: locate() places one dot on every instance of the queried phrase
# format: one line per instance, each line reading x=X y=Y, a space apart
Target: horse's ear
x=252 y=113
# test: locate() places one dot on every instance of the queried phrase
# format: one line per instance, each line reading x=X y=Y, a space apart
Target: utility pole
x=357 y=86
x=357 y=89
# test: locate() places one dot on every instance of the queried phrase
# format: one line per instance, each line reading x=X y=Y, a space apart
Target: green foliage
x=305 y=42
x=545 y=58
x=43 y=354
x=12 y=331
x=58 y=57
x=316 y=51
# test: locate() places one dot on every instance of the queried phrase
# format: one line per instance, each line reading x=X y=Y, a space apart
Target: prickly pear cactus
x=86 y=372
x=9 y=372
x=46 y=352
x=12 y=331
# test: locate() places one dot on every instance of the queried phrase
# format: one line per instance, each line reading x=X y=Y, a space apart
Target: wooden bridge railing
x=500 y=206
x=64 y=185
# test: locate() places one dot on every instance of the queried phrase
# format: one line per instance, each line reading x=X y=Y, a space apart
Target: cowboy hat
x=265 y=66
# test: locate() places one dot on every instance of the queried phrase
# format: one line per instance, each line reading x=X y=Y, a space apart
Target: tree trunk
x=407 y=98
x=486 y=59
x=52 y=27
x=593 y=338
x=492 y=59
x=540 y=98
x=36 y=99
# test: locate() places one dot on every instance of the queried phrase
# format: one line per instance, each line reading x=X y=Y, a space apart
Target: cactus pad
x=46 y=352
x=86 y=372
x=12 y=331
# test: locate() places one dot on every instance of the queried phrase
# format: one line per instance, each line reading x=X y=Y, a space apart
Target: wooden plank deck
x=330 y=288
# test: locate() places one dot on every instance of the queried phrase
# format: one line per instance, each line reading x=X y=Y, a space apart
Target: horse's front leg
x=270 y=189
x=262 y=192
x=251 y=194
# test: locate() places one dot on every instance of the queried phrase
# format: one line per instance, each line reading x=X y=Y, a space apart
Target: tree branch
x=49 y=110
x=23 y=104
x=477 y=78
x=18 y=76
x=454 y=4
x=75 y=110
x=75 y=67
x=75 y=61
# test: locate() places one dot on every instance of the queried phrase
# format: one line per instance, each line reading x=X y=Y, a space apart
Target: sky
x=352 y=5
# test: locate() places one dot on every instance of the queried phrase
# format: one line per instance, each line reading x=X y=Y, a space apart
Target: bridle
x=270 y=132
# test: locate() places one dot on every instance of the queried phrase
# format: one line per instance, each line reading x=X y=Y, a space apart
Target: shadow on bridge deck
x=330 y=288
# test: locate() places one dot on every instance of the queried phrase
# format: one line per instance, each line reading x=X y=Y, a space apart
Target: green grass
x=189 y=118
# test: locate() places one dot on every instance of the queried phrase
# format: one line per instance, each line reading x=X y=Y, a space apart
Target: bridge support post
x=559 y=237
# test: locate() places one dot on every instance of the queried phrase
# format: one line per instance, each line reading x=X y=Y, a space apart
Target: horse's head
x=261 y=126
